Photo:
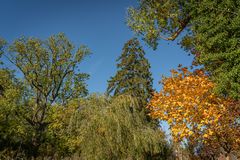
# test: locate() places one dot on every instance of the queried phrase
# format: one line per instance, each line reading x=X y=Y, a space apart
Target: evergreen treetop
x=133 y=76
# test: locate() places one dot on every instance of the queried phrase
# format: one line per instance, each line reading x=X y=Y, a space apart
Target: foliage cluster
x=194 y=112
x=209 y=30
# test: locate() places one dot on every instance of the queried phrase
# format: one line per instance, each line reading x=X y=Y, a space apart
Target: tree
x=195 y=113
x=100 y=127
x=12 y=129
x=133 y=76
x=210 y=31
x=51 y=75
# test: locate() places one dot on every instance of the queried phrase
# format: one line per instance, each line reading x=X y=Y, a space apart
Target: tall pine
x=133 y=76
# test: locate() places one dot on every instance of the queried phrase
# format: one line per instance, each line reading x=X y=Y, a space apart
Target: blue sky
x=101 y=25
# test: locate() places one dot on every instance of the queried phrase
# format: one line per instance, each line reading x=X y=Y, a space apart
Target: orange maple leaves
x=187 y=102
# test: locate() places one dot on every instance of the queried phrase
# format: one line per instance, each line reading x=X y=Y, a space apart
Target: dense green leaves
x=210 y=30
x=217 y=41
x=12 y=127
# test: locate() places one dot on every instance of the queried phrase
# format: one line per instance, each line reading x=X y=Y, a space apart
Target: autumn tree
x=210 y=30
x=51 y=75
x=133 y=76
x=194 y=112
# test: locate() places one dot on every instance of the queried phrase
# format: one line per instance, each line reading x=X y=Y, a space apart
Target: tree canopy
x=50 y=75
x=195 y=113
x=208 y=29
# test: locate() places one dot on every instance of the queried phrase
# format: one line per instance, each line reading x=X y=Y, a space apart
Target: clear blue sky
x=98 y=24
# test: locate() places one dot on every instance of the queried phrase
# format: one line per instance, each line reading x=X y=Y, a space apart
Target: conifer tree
x=133 y=76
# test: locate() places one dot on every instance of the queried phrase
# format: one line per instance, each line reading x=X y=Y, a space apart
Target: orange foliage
x=187 y=102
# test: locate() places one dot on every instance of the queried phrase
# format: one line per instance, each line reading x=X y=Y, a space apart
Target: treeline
x=46 y=111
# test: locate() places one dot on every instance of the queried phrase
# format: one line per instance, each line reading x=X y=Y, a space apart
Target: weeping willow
x=102 y=128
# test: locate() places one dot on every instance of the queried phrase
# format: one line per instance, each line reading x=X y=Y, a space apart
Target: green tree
x=100 y=127
x=12 y=130
x=51 y=75
x=133 y=76
x=208 y=29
